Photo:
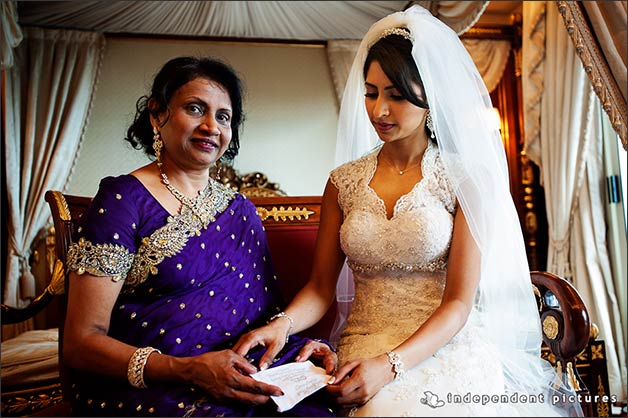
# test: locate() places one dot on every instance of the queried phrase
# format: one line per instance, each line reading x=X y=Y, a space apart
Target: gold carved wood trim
x=284 y=214
x=281 y=211
x=28 y=401
x=62 y=205
x=595 y=66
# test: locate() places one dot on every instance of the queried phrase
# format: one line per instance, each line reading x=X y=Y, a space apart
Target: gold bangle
x=137 y=363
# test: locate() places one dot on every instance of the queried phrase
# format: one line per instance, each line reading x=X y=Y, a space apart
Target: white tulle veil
x=473 y=154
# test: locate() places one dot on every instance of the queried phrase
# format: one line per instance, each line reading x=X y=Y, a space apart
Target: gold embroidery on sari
x=166 y=241
x=100 y=260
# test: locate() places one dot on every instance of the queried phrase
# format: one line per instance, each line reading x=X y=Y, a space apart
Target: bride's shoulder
x=353 y=169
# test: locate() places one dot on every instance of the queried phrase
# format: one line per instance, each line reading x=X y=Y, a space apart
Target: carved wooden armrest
x=11 y=315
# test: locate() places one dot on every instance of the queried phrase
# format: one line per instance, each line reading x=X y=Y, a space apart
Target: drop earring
x=430 y=124
x=158 y=144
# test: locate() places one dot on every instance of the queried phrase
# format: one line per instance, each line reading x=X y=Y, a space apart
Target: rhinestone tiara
x=397 y=31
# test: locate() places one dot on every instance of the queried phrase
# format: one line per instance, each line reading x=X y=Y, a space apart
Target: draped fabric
x=593 y=275
x=605 y=64
x=490 y=57
x=49 y=93
x=616 y=231
x=10 y=33
x=240 y=19
x=559 y=148
x=340 y=56
x=562 y=138
x=458 y=15
x=532 y=67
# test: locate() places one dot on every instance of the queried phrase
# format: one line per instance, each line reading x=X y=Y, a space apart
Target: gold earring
x=158 y=144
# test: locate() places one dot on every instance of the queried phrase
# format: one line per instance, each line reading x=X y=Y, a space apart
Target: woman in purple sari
x=172 y=267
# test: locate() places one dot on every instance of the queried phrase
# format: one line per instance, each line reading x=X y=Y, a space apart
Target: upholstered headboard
x=291 y=225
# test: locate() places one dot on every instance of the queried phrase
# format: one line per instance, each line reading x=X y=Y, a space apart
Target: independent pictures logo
x=432 y=400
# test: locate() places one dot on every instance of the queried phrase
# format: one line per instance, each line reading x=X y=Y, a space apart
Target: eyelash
x=395 y=97
x=198 y=109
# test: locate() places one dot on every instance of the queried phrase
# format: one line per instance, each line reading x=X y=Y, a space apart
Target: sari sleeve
x=107 y=233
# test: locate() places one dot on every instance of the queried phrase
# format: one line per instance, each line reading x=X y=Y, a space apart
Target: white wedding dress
x=399 y=273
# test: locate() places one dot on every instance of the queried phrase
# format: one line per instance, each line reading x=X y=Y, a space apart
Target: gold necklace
x=405 y=170
x=193 y=204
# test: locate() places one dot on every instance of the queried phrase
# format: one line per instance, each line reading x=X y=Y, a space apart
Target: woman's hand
x=271 y=336
x=225 y=376
x=320 y=351
x=357 y=381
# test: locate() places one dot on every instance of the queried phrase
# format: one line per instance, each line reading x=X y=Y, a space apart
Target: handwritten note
x=296 y=380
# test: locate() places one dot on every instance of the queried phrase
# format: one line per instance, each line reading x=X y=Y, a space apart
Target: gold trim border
x=595 y=66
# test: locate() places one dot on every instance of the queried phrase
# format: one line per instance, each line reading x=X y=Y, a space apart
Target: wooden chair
x=52 y=397
x=566 y=328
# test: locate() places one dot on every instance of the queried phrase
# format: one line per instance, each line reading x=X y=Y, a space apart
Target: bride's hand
x=321 y=351
x=357 y=381
x=271 y=336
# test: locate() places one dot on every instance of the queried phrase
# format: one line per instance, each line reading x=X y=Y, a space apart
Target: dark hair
x=174 y=74
x=394 y=55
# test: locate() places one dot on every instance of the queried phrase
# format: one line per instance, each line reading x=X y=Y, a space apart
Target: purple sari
x=188 y=289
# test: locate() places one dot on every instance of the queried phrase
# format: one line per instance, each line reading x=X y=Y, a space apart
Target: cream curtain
x=559 y=108
x=10 y=33
x=591 y=262
x=458 y=15
x=616 y=228
x=234 y=19
x=48 y=97
x=490 y=56
x=558 y=150
x=340 y=57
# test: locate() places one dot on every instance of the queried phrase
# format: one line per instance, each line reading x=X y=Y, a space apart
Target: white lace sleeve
x=446 y=191
x=346 y=178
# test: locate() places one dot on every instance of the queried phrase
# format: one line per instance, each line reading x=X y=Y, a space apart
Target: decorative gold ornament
x=550 y=327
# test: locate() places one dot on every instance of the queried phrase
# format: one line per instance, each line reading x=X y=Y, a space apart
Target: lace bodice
x=417 y=236
x=398 y=263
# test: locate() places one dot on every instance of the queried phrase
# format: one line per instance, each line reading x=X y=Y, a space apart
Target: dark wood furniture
x=49 y=398
x=576 y=353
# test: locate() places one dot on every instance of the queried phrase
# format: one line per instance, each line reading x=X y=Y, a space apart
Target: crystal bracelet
x=282 y=314
x=137 y=363
x=397 y=365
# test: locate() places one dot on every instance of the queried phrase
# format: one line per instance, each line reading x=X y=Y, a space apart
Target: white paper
x=296 y=380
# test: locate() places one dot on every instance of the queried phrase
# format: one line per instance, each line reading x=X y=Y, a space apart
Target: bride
x=444 y=320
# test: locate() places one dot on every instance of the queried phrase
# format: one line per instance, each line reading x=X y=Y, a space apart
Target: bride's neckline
x=371 y=174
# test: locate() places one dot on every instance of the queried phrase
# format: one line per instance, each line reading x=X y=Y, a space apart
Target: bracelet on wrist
x=137 y=363
x=397 y=365
x=282 y=314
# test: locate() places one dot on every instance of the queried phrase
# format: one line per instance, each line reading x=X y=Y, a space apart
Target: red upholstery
x=291 y=224
x=292 y=249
